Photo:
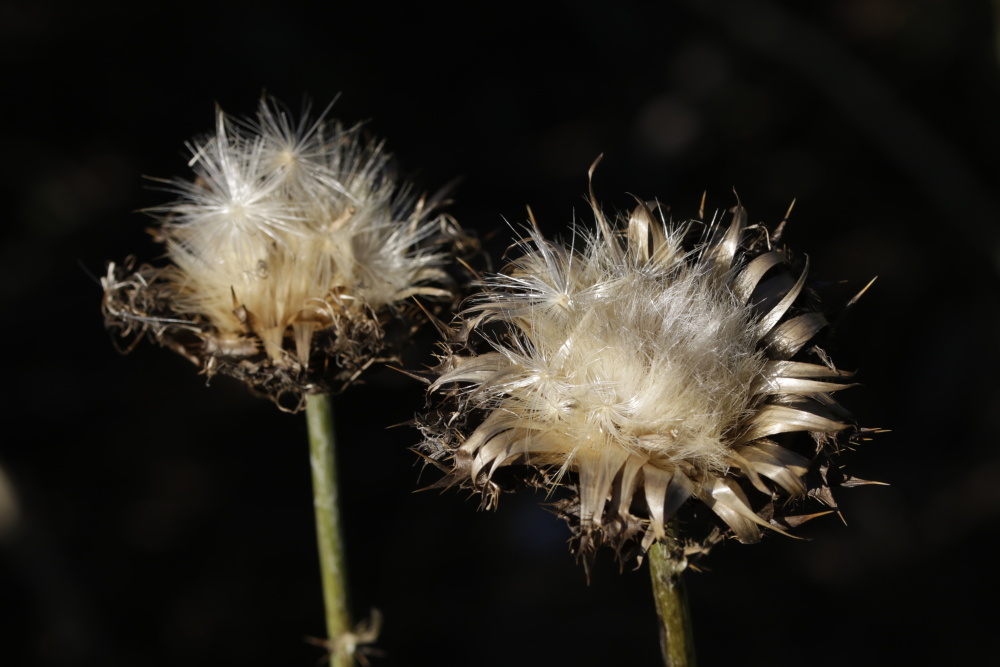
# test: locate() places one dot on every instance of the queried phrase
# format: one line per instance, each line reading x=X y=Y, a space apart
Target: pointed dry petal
x=774 y=316
x=774 y=419
x=727 y=500
x=625 y=488
x=749 y=470
x=723 y=253
x=655 y=483
x=494 y=445
x=596 y=471
x=645 y=235
x=746 y=282
x=790 y=336
x=472 y=369
x=303 y=332
x=681 y=488
x=612 y=245
x=782 y=466
x=785 y=385
x=495 y=423
x=799 y=369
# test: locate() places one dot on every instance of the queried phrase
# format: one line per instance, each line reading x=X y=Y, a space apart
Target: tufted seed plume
x=654 y=376
x=291 y=251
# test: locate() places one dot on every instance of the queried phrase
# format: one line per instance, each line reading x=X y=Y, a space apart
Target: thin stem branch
x=322 y=457
x=666 y=569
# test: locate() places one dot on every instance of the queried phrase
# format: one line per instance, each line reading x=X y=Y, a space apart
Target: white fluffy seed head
x=650 y=372
x=638 y=358
x=289 y=232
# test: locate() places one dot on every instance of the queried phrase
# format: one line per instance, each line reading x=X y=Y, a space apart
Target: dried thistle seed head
x=649 y=376
x=292 y=251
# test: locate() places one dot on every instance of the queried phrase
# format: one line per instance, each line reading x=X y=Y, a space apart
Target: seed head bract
x=293 y=256
x=648 y=374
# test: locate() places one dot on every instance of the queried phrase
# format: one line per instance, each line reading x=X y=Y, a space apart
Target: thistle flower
x=291 y=251
x=650 y=374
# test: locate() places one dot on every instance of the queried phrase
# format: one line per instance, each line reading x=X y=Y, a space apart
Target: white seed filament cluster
x=287 y=230
x=648 y=370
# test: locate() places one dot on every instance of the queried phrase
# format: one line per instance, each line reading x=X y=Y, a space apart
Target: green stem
x=666 y=569
x=322 y=457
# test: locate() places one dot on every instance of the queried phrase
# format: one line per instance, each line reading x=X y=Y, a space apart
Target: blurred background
x=151 y=519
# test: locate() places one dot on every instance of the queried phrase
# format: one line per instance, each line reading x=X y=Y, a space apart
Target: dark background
x=163 y=522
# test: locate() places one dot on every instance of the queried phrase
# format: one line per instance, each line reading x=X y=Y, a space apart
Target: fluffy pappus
x=648 y=374
x=292 y=250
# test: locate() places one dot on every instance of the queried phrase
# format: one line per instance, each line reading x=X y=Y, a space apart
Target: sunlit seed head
x=290 y=250
x=644 y=373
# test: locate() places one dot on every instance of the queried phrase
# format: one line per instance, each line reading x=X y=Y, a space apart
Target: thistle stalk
x=322 y=458
x=292 y=243
x=670 y=597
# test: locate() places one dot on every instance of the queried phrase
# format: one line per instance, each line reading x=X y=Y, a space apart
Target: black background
x=163 y=522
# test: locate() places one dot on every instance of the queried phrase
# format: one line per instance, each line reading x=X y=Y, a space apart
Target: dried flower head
x=652 y=372
x=291 y=251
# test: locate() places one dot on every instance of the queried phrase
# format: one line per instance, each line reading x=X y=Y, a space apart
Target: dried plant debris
x=294 y=256
x=650 y=379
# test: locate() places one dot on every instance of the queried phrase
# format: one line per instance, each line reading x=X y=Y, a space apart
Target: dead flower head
x=291 y=252
x=645 y=373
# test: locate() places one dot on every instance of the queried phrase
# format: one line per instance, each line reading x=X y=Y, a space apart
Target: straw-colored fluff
x=653 y=372
x=290 y=250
